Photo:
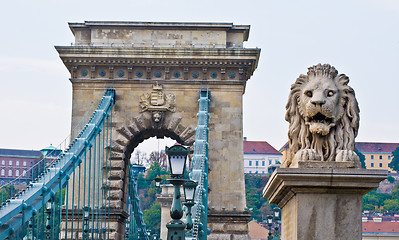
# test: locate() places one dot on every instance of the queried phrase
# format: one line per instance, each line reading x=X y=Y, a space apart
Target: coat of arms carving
x=157 y=102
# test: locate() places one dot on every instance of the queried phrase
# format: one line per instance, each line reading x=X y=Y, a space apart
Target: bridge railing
x=137 y=228
x=38 y=199
x=31 y=173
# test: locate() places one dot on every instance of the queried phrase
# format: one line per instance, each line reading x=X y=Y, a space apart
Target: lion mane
x=341 y=136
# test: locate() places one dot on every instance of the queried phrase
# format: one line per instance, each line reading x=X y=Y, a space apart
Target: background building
x=380 y=227
x=378 y=155
x=285 y=151
x=260 y=157
x=51 y=153
x=15 y=163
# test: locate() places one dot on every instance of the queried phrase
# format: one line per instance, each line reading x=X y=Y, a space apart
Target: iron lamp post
x=189 y=188
x=86 y=213
x=277 y=217
x=270 y=223
x=157 y=181
x=177 y=156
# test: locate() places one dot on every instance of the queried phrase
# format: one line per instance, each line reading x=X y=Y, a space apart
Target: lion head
x=323 y=114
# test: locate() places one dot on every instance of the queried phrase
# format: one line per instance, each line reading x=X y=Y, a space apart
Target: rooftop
x=159 y=34
x=284 y=147
x=260 y=147
x=157 y=25
x=256 y=231
x=376 y=147
x=380 y=227
x=4 y=152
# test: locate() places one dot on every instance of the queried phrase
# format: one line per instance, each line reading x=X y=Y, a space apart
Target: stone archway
x=141 y=128
x=129 y=136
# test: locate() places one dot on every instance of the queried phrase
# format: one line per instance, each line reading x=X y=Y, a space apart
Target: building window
x=380 y=164
x=372 y=164
x=263 y=163
x=10 y=163
x=250 y=171
x=24 y=173
x=3 y=162
x=257 y=163
x=2 y=172
x=372 y=156
x=380 y=156
x=17 y=173
x=24 y=163
x=256 y=172
x=17 y=163
x=250 y=163
x=10 y=173
x=389 y=157
x=270 y=162
x=263 y=172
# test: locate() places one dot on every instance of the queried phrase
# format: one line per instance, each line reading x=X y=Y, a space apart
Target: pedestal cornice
x=286 y=182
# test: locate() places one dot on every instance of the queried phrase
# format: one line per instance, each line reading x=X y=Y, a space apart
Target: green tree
x=374 y=199
x=391 y=179
x=394 y=164
x=7 y=192
x=391 y=205
x=361 y=157
x=255 y=201
x=147 y=194
x=395 y=192
x=152 y=218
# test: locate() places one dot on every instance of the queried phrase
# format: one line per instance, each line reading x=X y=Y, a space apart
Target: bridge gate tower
x=157 y=70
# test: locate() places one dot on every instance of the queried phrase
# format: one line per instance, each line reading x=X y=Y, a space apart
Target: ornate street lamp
x=86 y=213
x=157 y=181
x=47 y=231
x=277 y=217
x=177 y=156
x=189 y=193
x=270 y=223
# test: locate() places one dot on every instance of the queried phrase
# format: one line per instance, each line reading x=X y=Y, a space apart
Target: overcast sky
x=359 y=38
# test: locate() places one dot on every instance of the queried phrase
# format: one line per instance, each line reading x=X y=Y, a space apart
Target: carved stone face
x=157 y=116
x=319 y=104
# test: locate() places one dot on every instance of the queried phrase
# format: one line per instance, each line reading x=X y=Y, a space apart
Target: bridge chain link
x=199 y=171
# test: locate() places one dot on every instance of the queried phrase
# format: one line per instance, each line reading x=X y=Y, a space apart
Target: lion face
x=319 y=104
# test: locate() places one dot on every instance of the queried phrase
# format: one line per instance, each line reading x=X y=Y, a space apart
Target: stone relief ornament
x=323 y=117
x=157 y=102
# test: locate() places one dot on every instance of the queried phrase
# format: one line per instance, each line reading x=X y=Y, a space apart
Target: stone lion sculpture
x=323 y=117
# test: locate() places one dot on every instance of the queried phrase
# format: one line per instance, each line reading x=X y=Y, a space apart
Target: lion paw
x=307 y=155
x=348 y=156
x=285 y=164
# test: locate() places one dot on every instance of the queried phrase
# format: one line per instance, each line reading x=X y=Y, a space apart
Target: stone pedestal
x=165 y=198
x=114 y=225
x=227 y=225
x=321 y=203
